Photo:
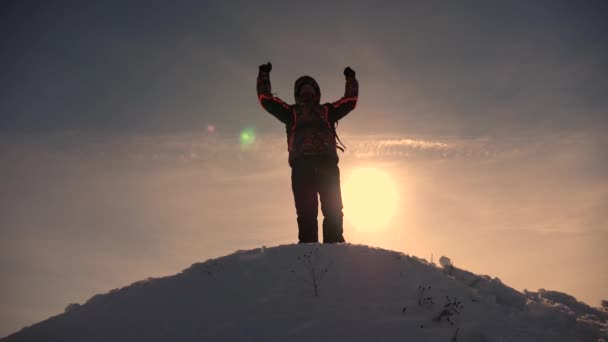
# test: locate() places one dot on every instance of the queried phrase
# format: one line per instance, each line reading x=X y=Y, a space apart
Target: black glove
x=266 y=67
x=348 y=72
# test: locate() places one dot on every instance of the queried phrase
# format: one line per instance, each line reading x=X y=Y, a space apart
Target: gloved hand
x=348 y=72
x=266 y=67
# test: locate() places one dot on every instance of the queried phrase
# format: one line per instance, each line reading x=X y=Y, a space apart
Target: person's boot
x=308 y=230
x=332 y=230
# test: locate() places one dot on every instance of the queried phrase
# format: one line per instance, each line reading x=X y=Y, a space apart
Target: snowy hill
x=323 y=293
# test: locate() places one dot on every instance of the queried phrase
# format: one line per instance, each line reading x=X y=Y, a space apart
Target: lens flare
x=247 y=137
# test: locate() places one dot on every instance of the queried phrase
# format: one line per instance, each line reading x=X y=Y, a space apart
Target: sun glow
x=370 y=198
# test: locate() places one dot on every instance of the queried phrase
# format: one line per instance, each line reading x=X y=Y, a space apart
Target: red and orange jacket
x=310 y=126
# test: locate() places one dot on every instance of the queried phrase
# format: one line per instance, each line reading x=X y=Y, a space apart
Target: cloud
x=403 y=146
x=414 y=143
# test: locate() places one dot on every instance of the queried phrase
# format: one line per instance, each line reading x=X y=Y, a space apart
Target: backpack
x=330 y=127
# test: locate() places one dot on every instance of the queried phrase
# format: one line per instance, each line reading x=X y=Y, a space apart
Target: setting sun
x=370 y=198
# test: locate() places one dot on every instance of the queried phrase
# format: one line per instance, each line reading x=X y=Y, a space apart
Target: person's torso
x=309 y=131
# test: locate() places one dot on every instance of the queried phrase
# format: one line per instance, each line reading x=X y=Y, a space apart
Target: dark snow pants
x=311 y=177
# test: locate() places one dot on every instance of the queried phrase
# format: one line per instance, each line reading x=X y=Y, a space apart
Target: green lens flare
x=247 y=137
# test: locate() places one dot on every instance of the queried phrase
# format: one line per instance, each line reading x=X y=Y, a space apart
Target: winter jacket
x=310 y=126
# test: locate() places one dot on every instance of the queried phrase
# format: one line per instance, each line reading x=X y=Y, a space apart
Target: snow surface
x=363 y=294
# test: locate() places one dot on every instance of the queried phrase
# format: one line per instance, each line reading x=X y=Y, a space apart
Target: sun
x=370 y=198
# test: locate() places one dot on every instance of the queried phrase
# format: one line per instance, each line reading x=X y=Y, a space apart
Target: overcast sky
x=490 y=116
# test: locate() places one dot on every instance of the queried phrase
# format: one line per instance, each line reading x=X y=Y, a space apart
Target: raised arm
x=337 y=110
x=272 y=104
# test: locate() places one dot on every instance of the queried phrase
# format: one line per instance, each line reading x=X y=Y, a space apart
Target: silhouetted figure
x=312 y=146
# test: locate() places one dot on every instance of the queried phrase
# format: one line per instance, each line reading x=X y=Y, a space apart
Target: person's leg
x=331 y=203
x=306 y=201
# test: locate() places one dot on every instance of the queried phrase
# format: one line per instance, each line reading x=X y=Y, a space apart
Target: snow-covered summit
x=325 y=293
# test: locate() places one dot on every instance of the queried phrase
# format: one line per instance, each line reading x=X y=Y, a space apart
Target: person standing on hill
x=312 y=146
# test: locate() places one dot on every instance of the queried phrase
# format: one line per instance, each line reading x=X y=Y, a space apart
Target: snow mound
x=305 y=292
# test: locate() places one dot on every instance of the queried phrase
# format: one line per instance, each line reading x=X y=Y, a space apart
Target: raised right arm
x=272 y=104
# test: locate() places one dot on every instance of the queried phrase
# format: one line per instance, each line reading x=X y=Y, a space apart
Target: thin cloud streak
x=413 y=143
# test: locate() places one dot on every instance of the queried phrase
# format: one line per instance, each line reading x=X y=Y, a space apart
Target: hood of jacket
x=306 y=80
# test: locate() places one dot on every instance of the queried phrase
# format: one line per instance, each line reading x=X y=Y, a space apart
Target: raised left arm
x=338 y=109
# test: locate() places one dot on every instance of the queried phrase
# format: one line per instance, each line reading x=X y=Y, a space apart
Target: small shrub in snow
x=422 y=297
x=314 y=274
x=450 y=308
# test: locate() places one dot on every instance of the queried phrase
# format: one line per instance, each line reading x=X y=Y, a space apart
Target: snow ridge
x=301 y=292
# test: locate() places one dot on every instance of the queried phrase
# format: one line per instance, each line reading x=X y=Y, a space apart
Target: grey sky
x=489 y=116
x=465 y=67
